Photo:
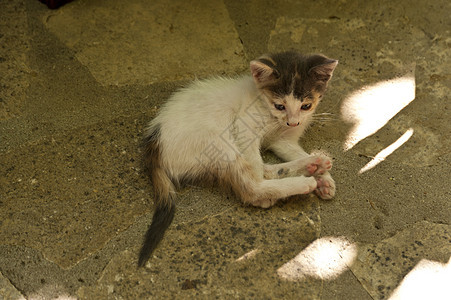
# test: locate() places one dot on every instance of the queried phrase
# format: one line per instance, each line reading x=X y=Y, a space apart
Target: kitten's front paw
x=309 y=184
x=326 y=186
x=319 y=164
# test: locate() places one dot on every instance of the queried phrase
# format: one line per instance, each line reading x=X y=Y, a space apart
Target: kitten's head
x=293 y=83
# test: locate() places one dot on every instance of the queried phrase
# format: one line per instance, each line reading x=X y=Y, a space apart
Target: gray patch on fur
x=298 y=74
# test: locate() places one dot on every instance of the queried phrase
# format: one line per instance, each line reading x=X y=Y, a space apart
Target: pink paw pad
x=311 y=168
x=315 y=167
x=323 y=186
x=328 y=164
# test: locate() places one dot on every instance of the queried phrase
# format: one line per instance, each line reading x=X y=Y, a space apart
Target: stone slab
x=142 y=42
x=216 y=256
x=382 y=266
x=14 y=69
x=8 y=291
x=55 y=189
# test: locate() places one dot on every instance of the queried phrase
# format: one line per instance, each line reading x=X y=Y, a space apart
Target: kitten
x=213 y=130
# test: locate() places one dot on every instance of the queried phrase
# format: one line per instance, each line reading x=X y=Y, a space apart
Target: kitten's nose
x=293 y=124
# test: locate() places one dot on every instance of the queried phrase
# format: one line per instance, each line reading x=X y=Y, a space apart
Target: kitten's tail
x=164 y=196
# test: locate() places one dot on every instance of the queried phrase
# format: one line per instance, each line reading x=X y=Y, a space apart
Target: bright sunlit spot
x=248 y=255
x=428 y=280
x=371 y=107
x=325 y=258
x=381 y=156
x=51 y=291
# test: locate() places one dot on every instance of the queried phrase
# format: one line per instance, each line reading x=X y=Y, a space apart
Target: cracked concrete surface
x=79 y=84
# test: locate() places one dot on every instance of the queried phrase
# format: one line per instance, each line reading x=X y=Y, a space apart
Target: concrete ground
x=78 y=85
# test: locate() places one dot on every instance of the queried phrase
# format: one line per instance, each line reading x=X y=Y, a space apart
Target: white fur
x=220 y=125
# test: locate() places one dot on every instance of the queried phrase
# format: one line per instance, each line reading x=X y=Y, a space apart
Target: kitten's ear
x=262 y=73
x=323 y=72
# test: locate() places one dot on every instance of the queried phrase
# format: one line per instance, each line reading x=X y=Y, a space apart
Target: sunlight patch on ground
x=428 y=280
x=381 y=156
x=51 y=291
x=371 y=107
x=248 y=255
x=325 y=258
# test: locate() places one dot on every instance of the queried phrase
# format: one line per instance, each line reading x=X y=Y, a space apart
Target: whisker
x=324 y=113
x=324 y=118
x=324 y=121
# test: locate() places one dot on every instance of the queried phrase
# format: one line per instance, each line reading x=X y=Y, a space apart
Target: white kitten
x=214 y=130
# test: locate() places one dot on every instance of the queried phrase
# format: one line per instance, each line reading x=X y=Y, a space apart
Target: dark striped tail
x=162 y=218
x=164 y=192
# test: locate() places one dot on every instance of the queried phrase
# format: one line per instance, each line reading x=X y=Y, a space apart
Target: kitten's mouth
x=294 y=124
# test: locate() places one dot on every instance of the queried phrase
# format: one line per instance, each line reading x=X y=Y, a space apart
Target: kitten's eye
x=306 y=106
x=279 y=106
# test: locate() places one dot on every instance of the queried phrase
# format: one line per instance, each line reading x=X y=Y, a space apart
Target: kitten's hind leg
x=326 y=186
x=270 y=191
x=265 y=193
